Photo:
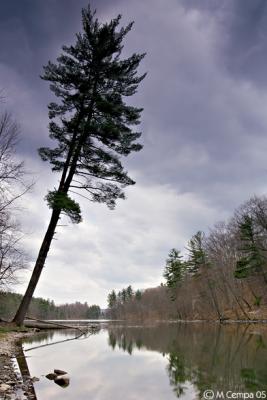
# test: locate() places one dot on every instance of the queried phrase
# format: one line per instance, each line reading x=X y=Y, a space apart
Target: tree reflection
x=122 y=342
x=177 y=373
x=207 y=356
x=25 y=373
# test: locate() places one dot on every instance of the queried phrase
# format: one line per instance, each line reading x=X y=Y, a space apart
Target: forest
x=220 y=275
x=46 y=309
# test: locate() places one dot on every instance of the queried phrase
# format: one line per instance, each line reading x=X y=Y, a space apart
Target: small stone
x=4 y=387
x=35 y=379
x=59 y=372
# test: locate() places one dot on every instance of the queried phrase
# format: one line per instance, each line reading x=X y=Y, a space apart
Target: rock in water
x=51 y=376
x=62 y=380
x=59 y=372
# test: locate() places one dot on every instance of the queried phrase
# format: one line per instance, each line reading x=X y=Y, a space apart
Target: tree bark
x=22 y=310
x=64 y=185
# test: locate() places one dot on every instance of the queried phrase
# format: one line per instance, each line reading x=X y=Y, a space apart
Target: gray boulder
x=62 y=380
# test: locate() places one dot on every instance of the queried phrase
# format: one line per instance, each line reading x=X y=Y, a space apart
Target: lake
x=161 y=361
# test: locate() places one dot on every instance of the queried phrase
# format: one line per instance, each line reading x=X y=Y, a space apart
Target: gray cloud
x=243 y=35
x=204 y=125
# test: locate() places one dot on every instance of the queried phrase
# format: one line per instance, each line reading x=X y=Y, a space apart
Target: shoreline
x=12 y=385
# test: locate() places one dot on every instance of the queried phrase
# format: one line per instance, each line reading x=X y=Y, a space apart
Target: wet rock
x=62 y=380
x=51 y=376
x=11 y=383
x=4 y=387
x=59 y=372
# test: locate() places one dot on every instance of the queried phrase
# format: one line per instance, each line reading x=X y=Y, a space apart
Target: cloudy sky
x=204 y=133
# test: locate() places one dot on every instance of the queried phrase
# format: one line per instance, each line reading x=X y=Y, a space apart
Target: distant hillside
x=46 y=309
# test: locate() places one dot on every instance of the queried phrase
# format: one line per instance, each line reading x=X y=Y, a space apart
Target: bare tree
x=12 y=187
x=12 y=256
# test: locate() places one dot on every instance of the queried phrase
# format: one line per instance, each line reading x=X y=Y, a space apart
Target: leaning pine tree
x=91 y=124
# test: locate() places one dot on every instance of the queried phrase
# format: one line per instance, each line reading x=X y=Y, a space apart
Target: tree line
x=117 y=301
x=220 y=275
x=46 y=309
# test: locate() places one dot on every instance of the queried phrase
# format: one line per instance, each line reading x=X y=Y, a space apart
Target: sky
x=204 y=130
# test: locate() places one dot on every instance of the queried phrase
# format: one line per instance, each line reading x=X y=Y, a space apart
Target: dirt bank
x=13 y=386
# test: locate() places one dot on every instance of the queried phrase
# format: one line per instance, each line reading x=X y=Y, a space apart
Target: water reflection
x=47 y=338
x=24 y=372
x=156 y=362
x=224 y=358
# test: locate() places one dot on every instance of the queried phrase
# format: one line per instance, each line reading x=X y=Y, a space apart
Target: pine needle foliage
x=252 y=259
x=174 y=271
x=91 y=123
x=196 y=254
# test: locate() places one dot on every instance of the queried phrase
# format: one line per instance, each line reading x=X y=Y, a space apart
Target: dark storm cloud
x=33 y=28
x=243 y=41
x=246 y=44
x=204 y=128
x=31 y=33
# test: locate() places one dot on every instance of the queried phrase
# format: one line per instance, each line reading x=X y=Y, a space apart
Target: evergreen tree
x=138 y=294
x=112 y=299
x=196 y=253
x=93 y=312
x=129 y=292
x=124 y=295
x=91 y=124
x=198 y=262
x=119 y=297
x=252 y=259
x=174 y=271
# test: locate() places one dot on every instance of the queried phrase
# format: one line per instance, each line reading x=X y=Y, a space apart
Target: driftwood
x=40 y=324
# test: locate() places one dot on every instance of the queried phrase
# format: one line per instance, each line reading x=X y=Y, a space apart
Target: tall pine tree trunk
x=64 y=185
x=22 y=310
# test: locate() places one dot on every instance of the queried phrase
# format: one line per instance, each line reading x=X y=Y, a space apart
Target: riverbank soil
x=13 y=386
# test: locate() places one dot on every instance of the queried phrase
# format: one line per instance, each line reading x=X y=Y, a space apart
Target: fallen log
x=41 y=324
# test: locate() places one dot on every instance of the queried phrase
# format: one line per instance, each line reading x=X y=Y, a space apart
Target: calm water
x=154 y=362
